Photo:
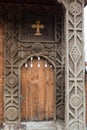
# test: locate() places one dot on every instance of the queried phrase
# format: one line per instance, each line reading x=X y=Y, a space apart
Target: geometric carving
x=61 y=111
x=21 y=54
x=11 y=113
x=12 y=80
x=75 y=8
x=75 y=92
x=75 y=101
x=60 y=95
x=18 y=51
x=37 y=48
x=12 y=49
x=60 y=71
x=76 y=126
x=75 y=54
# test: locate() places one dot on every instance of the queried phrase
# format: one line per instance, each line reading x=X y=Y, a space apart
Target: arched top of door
x=31 y=57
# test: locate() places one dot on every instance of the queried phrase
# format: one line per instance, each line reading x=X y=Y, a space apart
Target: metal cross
x=38 y=26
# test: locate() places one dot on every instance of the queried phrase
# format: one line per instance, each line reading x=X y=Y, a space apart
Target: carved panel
x=18 y=52
x=31 y=23
x=75 y=88
x=60 y=69
x=11 y=73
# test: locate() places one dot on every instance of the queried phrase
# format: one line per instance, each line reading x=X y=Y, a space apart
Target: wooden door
x=37 y=90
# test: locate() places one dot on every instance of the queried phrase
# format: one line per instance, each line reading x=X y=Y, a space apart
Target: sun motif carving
x=76 y=126
x=75 y=101
x=10 y=111
x=75 y=8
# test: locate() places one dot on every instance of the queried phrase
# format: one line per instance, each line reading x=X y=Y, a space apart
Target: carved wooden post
x=75 y=87
x=11 y=89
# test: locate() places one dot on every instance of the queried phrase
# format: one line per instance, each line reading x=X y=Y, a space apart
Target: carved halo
x=11 y=113
x=76 y=126
x=75 y=101
x=12 y=80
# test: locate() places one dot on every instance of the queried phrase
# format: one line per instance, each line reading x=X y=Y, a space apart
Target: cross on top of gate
x=38 y=26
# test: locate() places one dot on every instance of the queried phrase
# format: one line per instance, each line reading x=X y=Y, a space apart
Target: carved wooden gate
x=19 y=46
x=37 y=89
x=23 y=40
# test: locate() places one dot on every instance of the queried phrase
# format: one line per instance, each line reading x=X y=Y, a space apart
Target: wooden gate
x=37 y=91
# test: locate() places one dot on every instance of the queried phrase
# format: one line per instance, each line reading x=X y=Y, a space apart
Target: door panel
x=37 y=90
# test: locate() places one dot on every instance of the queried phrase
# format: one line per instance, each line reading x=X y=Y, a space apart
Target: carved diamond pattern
x=75 y=83
x=75 y=13
x=75 y=54
x=18 y=51
x=12 y=49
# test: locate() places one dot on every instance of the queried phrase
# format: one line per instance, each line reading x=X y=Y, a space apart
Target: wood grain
x=37 y=89
x=1 y=73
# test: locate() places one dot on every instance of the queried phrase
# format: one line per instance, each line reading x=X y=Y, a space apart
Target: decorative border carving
x=75 y=87
x=18 y=52
x=75 y=114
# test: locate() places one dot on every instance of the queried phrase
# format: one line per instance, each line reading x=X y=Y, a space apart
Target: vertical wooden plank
x=34 y=81
x=50 y=93
x=23 y=93
x=28 y=94
x=47 y=93
x=52 y=88
x=42 y=92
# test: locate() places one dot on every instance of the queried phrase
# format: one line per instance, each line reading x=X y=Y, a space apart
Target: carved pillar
x=60 y=68
x=75 y=87
x=11 y=89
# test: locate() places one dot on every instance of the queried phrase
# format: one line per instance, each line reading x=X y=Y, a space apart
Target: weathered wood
x=1 y=72
x=86 y=94
x=37 y=88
